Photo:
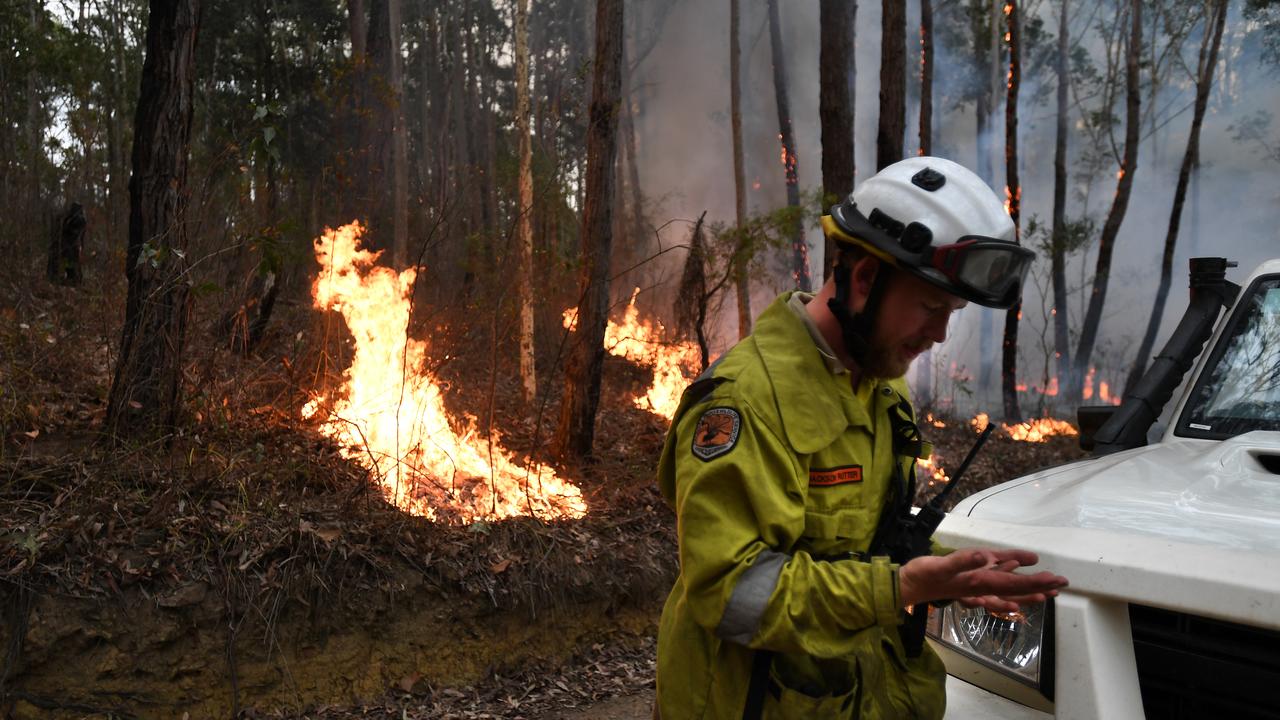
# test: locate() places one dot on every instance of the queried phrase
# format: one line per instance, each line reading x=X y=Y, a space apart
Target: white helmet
x=939 y=221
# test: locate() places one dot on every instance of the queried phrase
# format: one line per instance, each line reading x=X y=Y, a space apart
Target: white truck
x=1172 y=547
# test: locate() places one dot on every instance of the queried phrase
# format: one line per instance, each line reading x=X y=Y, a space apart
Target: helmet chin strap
x=857 y=329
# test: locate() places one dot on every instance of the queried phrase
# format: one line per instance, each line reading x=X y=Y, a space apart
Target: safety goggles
x=992 y=269
x=985 y=270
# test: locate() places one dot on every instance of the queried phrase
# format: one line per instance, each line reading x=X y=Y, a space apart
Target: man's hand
x=980 y=577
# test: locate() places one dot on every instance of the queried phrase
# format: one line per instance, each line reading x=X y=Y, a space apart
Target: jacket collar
x=814 y=404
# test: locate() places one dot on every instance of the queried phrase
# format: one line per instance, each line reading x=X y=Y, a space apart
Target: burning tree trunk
x=1013 y=190
x=893 y=99
x=924 y=389
x=1111 y=227
x=524 y=224
x=1215 y=21
x=576 y=431
x=926 y=77
x=145 y=391
x=740 y=281
x=693 y=297
x=799 y=249
x=835 y=107
x=399 y=141
x=1058 y=245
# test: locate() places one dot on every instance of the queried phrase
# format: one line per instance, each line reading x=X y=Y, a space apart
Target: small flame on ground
x=1037 y=430
x=641 y=342
x=389 y=413
x=932 y=471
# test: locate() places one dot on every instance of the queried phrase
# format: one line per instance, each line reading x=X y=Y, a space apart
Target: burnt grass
x=252 y=503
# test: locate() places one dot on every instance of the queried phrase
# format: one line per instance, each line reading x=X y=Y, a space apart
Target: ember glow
x=389 y=412
x=641 y=342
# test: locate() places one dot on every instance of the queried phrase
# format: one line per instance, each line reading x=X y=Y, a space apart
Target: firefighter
x=780 y=464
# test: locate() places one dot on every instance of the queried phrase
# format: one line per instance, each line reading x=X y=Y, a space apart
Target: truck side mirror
x=1090 y=418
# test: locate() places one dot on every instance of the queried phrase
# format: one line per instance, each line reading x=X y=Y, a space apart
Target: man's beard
x=883 y=363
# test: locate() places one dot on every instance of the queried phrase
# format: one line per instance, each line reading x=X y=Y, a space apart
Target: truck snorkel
x=1106 y=429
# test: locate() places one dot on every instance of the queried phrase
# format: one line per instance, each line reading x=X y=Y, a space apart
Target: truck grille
x=1194 y=667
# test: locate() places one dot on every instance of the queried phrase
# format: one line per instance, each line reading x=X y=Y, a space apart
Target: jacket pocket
x=837 y=533
x=784 y=702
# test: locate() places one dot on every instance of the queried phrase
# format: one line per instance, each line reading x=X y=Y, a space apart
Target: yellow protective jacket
x=778 y=476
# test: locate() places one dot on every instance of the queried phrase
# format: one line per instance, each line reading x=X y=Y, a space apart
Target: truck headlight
x=1009 y=643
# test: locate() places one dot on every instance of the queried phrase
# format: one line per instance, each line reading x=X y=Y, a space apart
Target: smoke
x=686 y=158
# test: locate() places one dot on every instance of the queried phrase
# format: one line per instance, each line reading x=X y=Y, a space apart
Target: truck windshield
x=1239 y=390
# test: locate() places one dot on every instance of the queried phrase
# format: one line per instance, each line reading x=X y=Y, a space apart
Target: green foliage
x=1264 y=16
x=154 y=255
x=1078 y=234
x=1255 y=130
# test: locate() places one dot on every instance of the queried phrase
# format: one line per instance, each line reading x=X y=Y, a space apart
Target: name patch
x=835 y=476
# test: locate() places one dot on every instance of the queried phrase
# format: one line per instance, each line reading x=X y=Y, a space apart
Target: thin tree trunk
x=988 y=103
x=1013 y=191
x=638 y=236
x=741 y=284
x=790 y=162
x=1214 y=24
x=1124 y=188
x=117 y=187
x=1058 y=249
x=926 y=77
x=359 y=28
x=399 y=141
x=982 y=104
x=145 y=392
x=432 y=92
x=835 y=106
x=924 y=383
x=576 y=431
x=524 y=225
x=893 y=98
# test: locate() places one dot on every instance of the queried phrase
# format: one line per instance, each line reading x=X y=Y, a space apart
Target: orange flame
x=389 y=414
x=1037 y=430
x=929 y=467
x=640 y=341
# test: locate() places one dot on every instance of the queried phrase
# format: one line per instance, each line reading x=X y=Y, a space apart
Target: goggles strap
x=857 y=328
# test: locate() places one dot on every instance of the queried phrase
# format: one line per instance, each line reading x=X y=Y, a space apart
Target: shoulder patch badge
x=717 y=432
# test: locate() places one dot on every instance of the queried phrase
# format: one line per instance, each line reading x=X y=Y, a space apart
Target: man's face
x=913 y=316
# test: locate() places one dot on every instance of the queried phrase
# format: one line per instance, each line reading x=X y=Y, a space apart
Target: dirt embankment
x=163 y=657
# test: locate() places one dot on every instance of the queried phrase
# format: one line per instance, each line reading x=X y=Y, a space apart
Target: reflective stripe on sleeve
x=750 y=597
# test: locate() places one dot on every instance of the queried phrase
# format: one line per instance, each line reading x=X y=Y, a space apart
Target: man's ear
x=861 y=280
